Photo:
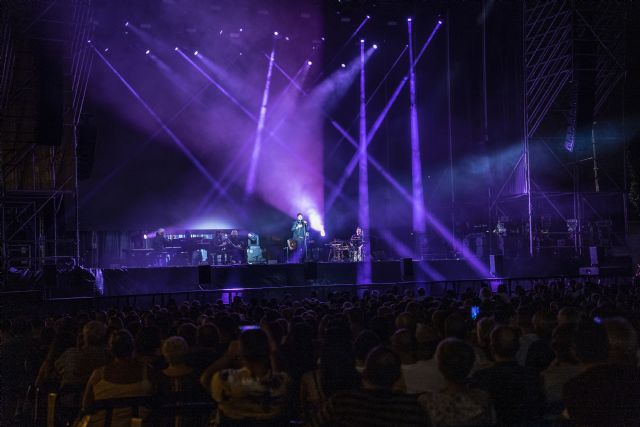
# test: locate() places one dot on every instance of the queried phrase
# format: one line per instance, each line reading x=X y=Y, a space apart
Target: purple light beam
x=364 y=269
x=376 y=125
x=255 y=155
x=416 y=162
x=164 y=127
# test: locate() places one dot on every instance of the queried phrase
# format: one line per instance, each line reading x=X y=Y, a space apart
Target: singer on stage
x=299 y=229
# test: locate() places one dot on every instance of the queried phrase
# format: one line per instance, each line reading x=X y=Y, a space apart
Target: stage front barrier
x=434 y=289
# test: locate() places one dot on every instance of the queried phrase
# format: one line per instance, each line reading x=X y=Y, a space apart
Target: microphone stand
x=306 y=236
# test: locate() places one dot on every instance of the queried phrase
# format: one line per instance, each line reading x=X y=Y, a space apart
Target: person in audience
x=255 y=393
x=177 y=377
x=456 y=404
x=15 y=349
x=299 y=357
x=122 y=377
x=77 y=363
x=603 y=394
x=47 y=377
x=207 y=348
x=375 y=404
x=366 y=341
x=336 y=370
x=515 y=390
x=484 y=359
x=528 y=334
x=569 y=315
x=147 y=342
x=563 y=367
x=623 y=341
x=540 y=353
x=418 y=376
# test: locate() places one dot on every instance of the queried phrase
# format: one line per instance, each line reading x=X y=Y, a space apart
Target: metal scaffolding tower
x=45 y=63
x=574 y=68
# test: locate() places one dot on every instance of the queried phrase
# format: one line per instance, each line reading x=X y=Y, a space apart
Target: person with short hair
x=122 y=377
x=375 y=404
x=515 y=390
x=418 y=376
x=77 y=363
x=603 y=394
x=456 y=404
x=177 y=377
x=563 y=367
x=255 y=393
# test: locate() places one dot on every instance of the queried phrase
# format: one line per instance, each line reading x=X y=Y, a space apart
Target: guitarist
x=299 y=230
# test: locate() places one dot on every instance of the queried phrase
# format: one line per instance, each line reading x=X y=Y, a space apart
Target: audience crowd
x=560 y=353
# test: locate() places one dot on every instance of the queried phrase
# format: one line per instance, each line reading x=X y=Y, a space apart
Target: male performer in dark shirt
x=159 y=241
x=299 y=229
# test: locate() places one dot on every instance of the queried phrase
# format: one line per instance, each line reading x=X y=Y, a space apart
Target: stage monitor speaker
x=496 y=265
x=407 y=269
x=204 y=276
x=595 y=255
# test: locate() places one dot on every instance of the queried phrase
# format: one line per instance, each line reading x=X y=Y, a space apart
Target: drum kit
x=341 y=251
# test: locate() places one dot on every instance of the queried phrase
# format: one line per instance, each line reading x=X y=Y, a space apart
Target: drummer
x=356 y=244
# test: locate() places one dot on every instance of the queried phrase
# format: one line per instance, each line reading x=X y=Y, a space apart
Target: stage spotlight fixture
x=322 y=38
x=176 y=48
x=126 y=24
x=275 y=33
x=409 y=19
x=195 y=53
x=309 y=62
x=439 y=21
x=368 y=17
x=361 y=40
x=287 y=38
x=88 y=41
x=240 y=29
x=343 y=65
x=106 y=49
x=375 y=46
x=145 y=237
x=323 y=233
x=147 y=52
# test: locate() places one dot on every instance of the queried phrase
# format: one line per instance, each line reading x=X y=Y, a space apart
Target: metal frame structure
x=555 y=34
x=38 y=199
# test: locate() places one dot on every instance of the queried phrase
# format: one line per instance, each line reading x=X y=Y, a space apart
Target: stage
x=130 y=281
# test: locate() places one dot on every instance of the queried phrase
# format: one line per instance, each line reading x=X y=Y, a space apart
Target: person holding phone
x=256 y=392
